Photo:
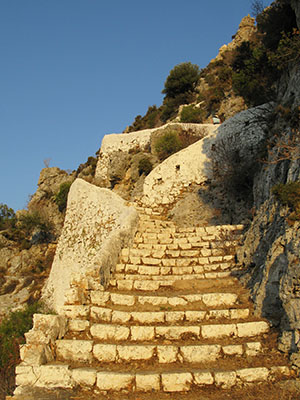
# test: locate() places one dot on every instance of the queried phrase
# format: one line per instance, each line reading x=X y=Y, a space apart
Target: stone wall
x=192 y=165
x=98 y=224
x=115 y=148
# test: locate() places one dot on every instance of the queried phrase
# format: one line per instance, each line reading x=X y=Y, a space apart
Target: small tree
x=182 y=78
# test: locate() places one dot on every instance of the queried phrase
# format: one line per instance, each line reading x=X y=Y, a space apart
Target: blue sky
x=72 y=71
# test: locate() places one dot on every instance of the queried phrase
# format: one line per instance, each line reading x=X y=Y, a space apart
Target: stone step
x=155 y=270
x=106 y=314
x=175 y=380
x=201 y=331
x=91 y=352
x=149 y=284
x=210 y=299
x=167 y=261
x=209 y=255
x=169 y=240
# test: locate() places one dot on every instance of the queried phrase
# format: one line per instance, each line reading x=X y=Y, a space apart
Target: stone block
x=239 y=313
x=120 y=317
x=225 y=379
x=35 y=354
x=140 y=333
x=202 y=353
x=78 y=325
x=253 y=374
x=176 y=301
x=124 y=284
x=115 y=381
x=176 y=381
x=151 y=261
x=105 y=352
x=245 y=329
x=135 y=352
x=174 y=316
x=147 y=382
x=74 y=350
x=219 y=299
x=148 y=317
x=167 y=354
x=153 y=300
x=101 y=313
x=26 y=375
x=122 y=299
x=215 y=314
x=203 y=378
x=218 y=330
x=176 y=332
x=233 y=350
x=110 y=332
x=51 y=376
x=253 y=348
x=99 y=298
x=84 y=376
x=146 y=285
x=195 y=316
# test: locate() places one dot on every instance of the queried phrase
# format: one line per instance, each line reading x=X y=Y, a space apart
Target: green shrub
x=145 y=166
x=192 y=114
x=182 y=78
x=167 y=145
x=289 y=194
x=12 y=330
x=7 y=217
x=62 y=196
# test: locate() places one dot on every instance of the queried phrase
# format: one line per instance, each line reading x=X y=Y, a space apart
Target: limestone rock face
x=246 y=29
x=97 y=225
x=48 y=185
x=296 y=6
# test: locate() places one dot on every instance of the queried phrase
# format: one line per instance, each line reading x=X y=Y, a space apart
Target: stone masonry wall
x=98 y=224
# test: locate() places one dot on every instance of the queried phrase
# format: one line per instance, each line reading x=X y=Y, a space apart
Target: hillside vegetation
x=244 y=74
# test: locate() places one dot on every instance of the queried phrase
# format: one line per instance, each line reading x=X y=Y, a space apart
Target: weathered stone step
x=61 y=375
x=89 y=351
x=171 y=270
x=211 y=299
x=105 y=314
x=208 y=255
x=152 y=283
x=200 y=331
x=169 y=240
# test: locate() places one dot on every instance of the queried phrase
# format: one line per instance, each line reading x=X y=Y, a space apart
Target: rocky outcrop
x=98 y=224
x=246 y=29
x=43 y=199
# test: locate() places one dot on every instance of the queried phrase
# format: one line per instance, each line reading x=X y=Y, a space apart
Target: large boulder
x=98 y=224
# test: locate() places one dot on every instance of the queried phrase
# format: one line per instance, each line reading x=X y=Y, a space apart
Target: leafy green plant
x=145 y=166
x=12 y=330
x=167 y=145
x=192 y=114
x=7 y=217
x=289 y=194
x=181 y=79
x=62 y=196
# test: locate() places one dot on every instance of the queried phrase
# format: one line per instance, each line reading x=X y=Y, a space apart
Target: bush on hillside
x=145 y=166
x=289 y=194
x=192 y=114
x=7 y=217
x=167 y=145
x=181 y=79
x=62 y=196
x=12 y=330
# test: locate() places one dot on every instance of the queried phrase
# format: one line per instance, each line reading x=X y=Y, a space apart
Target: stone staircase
x=173 y=319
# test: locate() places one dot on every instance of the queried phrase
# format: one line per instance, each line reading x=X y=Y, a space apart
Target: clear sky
x=72 y=71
